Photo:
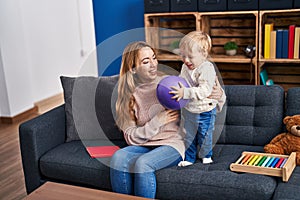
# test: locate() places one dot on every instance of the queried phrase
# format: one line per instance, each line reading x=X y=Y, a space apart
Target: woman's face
x=146 y=64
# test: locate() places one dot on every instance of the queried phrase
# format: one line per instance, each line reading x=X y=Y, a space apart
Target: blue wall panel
x=117 y=23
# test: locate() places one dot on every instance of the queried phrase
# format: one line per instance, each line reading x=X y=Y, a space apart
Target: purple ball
x=163 y=89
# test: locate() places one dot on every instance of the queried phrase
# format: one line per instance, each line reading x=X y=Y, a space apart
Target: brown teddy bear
x=286 y=143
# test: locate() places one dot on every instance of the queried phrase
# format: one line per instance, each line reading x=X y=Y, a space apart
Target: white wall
x=16 y=69
x=39 y=41
x=3 y=93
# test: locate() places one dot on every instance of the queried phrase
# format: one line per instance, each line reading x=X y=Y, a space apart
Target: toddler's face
x=192 y=58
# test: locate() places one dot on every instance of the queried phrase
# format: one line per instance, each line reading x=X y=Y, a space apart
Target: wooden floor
x=12 y=185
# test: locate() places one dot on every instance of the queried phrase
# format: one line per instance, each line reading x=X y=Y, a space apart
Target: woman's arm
x=136 y=135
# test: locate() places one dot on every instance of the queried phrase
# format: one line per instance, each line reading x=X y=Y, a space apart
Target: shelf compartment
x=237 y=74
x=281 y=19
x=162 y=29
x=284 y=72
x=286 y=75
x=240 y=27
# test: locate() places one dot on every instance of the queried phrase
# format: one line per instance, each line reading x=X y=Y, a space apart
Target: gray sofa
x=53 y=144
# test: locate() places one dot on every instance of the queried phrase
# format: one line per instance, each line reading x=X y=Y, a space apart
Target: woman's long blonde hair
x=127 y=84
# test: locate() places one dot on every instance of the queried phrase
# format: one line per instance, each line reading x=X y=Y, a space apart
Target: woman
x=153 y=133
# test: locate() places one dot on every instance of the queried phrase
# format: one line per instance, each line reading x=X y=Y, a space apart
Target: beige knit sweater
x=148 y=130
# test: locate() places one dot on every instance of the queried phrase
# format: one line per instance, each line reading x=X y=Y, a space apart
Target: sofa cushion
x=70 y=162
x=290 y=189
x=89 y=107
x=215 y=181
x=254 y=114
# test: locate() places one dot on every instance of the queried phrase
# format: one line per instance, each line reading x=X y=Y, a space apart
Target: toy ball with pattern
x=163 y=95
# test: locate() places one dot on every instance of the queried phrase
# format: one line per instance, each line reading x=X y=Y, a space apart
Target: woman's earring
x=133 y=71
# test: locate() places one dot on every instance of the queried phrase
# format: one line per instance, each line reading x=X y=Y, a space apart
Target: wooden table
x=58 y=191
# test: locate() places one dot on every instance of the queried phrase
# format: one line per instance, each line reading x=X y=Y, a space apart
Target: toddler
x=200 y=112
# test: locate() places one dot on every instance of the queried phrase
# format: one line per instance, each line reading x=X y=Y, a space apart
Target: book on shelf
x=297 y=43
x=273 y=44
x=268 y=29
x=285 y=43
x=282 y=42
x=279 y=40
x=291 y=41
x=264 y=78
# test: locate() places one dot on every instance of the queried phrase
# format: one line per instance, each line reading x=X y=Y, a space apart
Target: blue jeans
x=132 y=169
x=199 y=131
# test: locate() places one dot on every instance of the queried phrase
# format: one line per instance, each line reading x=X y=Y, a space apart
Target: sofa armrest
x=38 y=136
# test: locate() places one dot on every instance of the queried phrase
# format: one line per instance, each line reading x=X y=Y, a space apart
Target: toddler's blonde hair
x=196 y=39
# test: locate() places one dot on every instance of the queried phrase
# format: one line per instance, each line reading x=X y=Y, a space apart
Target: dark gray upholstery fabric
x=89 y=107
x=289 y=190
x=215 y=181
x=37 y=136
x=70 y=162
x=293 y=101
x=254 y=114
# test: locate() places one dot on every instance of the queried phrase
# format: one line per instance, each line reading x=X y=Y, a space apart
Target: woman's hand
x=217 y=91
x=168 y=116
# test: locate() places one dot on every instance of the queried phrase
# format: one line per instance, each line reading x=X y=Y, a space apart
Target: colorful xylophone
x=267 y=164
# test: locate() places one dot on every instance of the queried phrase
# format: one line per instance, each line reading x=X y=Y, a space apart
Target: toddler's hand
x=168 y=116
x=177 y=91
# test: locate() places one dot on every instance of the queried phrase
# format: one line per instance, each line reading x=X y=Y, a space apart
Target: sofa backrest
x=293 y=101
x=253 y=114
